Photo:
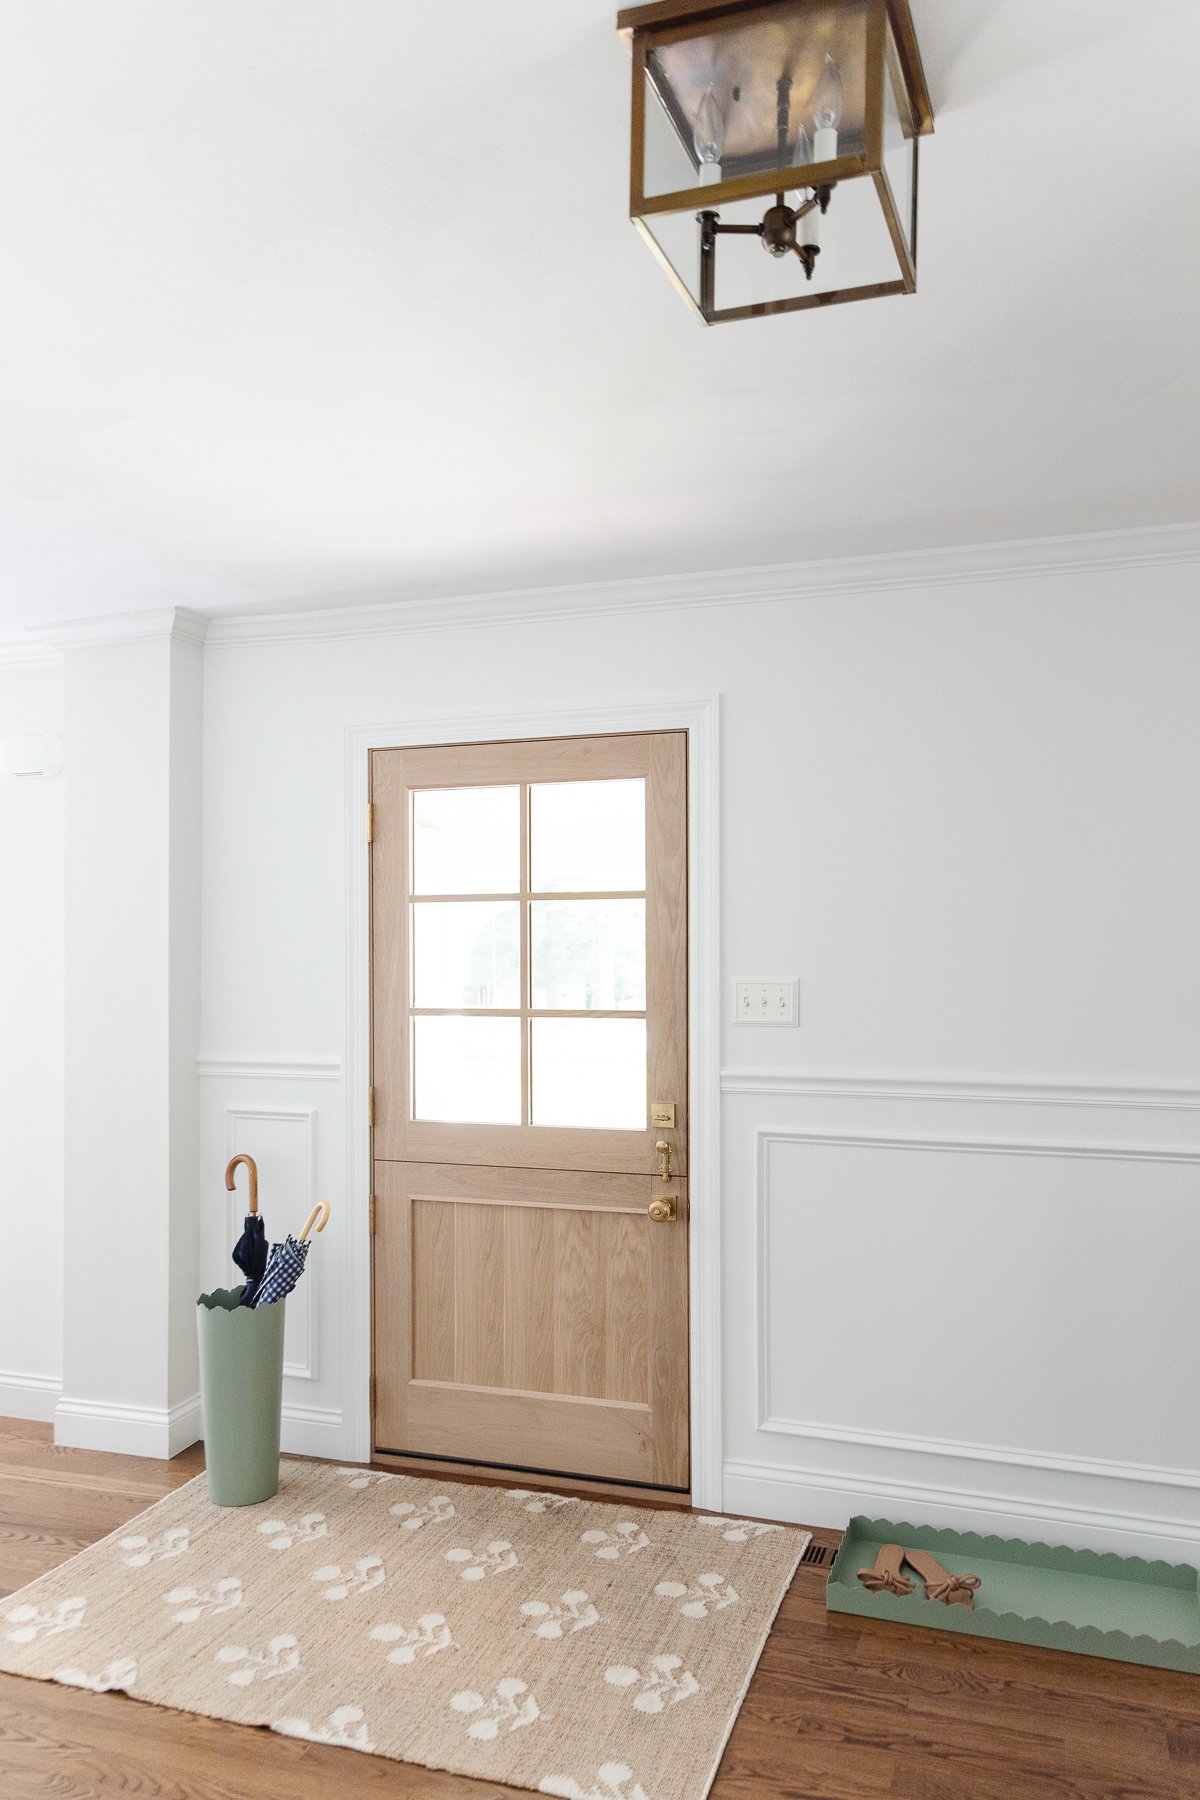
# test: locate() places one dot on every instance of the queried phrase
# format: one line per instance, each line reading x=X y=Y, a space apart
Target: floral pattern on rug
x=567 y=1646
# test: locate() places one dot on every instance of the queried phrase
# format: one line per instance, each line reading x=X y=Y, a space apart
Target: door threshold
x=503 y=1475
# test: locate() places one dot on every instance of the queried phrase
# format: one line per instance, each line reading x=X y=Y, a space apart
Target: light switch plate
x=766 y=1002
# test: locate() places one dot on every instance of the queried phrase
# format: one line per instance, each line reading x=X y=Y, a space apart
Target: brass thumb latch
x=664 y=1152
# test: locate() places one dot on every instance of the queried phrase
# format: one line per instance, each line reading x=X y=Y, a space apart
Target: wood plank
x=627 y=1309
x=529 y=1297
x=478 y=1296
x=581 y=1261
x=434 y=1291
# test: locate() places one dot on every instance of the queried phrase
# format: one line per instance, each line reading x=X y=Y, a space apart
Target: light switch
x=766 y=1002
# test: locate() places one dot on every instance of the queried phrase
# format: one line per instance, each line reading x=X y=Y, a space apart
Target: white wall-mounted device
x=32 y=755
x=766 y=1002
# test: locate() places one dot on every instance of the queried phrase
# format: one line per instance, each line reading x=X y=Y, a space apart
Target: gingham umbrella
x=250 y=1251
x=287 y=1260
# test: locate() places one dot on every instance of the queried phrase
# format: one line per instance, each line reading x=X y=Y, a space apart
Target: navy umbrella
x=250 y=1251
x=287 y=1260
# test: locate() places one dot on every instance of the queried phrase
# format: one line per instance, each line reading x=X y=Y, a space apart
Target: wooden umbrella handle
x=231 y=1179
x=319 y=1215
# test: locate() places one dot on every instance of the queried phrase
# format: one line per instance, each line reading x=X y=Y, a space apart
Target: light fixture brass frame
x=673 y=21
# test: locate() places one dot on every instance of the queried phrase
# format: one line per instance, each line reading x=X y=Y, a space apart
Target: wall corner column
x=134 y=690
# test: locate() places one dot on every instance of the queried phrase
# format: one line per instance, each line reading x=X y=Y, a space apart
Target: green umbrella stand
x=241 y=1386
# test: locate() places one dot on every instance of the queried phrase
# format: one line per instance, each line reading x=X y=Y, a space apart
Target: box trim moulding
x=699 y=716
x=993 y=1091
x=768 y=1421
x=236 y=1205
x=269 y=1068
x=1018 y=559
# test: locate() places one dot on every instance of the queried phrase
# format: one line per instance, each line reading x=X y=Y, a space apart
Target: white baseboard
x=314 y=1431
x=28 y=1396
x=157 y=1431
x=822 y=1497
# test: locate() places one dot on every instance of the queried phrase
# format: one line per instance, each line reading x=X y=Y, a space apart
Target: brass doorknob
x=662 y=1210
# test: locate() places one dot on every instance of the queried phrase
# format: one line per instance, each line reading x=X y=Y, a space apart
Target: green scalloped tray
x=1085 y=1601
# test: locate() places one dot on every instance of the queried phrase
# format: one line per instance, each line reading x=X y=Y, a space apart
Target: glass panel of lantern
x=740 y=98
x=715 y=87
x=900 y=145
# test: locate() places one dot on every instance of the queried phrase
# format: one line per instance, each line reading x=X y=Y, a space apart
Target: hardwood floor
x=839 y=1709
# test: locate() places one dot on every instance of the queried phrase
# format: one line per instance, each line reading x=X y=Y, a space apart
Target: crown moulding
x=965 y=565
x=124 y=628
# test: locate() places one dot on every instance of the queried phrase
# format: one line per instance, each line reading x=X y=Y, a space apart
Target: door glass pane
x=589 y=955
x=468 y=1069
x=590 y=1072
x=467 y=840
x=466 y=953
x=588 y=836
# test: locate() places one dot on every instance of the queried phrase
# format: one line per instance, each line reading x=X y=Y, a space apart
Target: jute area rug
x=591 y=1651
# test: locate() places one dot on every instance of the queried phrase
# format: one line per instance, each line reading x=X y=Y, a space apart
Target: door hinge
x=371 y=1107
x=370 y=822
x=373 y=1216
x=374 y=1395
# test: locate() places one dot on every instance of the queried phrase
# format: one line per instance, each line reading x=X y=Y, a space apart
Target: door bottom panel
x=547 y=1326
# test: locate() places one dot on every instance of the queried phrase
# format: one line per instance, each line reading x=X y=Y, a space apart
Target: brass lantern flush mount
x=773 y=159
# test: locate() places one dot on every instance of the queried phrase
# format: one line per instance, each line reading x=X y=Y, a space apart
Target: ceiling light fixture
x=741 y=102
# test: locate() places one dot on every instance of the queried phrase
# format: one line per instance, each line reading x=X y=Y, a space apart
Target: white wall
x=966 y=818
x=31 y=1054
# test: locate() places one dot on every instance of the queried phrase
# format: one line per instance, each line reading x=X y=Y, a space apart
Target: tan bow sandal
x=951 y=1590
x=886 y=1574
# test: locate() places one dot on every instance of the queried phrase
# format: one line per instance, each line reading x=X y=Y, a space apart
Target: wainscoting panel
x=959 y=1324
x=1058 y=1280
x=287 y=1113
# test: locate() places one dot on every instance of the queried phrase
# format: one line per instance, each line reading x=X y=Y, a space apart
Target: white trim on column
x=28 y=1396
x=125 y=628
x=699 y=718
x=157 y=1431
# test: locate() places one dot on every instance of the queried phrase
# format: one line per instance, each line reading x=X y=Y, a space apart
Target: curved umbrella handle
x=231 y=1179
x=319 y=1214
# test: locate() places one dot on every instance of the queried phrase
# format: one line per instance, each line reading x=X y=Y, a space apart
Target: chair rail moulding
x=996 y=1090
x=698 y=715
x=248 y=1067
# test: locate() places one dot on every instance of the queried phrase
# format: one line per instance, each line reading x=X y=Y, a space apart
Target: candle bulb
x=827 y=103
x=801 y=155
x=708 y=136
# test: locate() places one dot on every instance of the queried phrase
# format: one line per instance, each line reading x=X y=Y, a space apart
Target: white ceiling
x=304 y=301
